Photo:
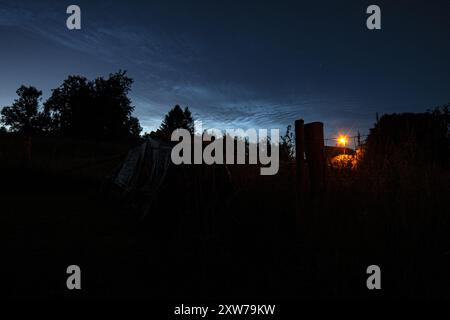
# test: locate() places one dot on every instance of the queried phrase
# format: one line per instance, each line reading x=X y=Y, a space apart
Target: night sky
x=256 y=64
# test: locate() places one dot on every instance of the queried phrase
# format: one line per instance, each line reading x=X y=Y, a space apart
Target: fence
x=310 y=156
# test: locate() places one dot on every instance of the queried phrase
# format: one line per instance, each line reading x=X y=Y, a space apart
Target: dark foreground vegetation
x=213 y=232
x=204 y=237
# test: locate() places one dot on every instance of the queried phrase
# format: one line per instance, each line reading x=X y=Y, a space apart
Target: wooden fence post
x=300 y=177
x=315 y=155
x=300 y=156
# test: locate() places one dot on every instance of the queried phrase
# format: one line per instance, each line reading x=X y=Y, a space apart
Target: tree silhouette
x=23 y=115
x=99 y=108
x=70 y=107
x=113 y=107
x=134 y=126
x=177 y=119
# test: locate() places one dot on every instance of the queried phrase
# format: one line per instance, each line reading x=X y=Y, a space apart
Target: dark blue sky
x=255 y=64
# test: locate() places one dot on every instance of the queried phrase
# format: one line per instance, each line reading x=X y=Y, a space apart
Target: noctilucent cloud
x=239 y=64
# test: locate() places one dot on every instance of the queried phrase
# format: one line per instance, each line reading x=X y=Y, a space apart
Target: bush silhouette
x=287 y=145
x=423 y=137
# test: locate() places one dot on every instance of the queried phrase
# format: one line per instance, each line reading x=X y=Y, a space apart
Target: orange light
x=342 y=140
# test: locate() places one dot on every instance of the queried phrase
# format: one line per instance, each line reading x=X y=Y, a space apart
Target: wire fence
x=355 y=141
